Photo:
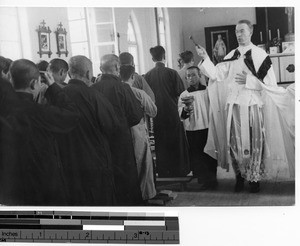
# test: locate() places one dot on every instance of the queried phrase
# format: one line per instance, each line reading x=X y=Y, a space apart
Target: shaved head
x=22 y=73
x=55 y=65
x=80 y=67
x=109 y=64
x=126 y=59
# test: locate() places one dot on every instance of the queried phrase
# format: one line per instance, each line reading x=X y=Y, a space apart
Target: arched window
x=10 y=40
x=163 y=32
x=132 y=44
x=161 y=27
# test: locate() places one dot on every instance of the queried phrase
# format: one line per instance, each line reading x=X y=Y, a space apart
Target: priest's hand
x=240 y=78
x=49 y=78
x=201 y=52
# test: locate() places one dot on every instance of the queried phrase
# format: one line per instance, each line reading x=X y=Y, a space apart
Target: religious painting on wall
x=44 y=39
x=61 y=40
x=45 y=42
x=220 y=40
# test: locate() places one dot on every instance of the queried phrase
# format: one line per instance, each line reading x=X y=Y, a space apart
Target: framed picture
x=61 y=40
x=219 y=44
x=44 y=39
x=220 y=40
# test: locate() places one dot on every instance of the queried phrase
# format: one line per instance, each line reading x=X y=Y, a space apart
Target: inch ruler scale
x=89 y=227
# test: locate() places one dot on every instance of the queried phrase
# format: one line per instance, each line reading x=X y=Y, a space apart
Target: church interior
x=45 y=33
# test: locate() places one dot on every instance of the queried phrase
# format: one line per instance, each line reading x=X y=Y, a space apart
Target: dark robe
x=31 y=172
x=172 y=158
x=129 y=113
x=85 y=151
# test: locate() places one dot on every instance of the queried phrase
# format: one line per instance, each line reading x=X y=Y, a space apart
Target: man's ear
x=32 y=84
x=87 y=75
x=101 y=69
x=9 y=78
x=61 y=72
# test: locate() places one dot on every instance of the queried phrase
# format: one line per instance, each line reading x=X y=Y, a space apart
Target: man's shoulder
x=149 y=72
x=139 y=92
x=75 y=85
x=138 y=76
x=107 y=81
x=171 y=70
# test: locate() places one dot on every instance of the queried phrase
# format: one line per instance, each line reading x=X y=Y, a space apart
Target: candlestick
x=270 y=37
x=278 y=33
x=261 y=40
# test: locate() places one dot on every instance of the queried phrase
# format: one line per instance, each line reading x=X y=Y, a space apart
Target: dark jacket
x=85 y=151
x=129 y=113
x=31 y=172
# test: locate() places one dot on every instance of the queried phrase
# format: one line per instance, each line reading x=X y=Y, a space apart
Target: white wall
x=177 y=38
x=183 y=23
x=52 y=16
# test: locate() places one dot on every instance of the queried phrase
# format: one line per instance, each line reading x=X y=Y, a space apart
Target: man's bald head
x=109 y=64
x=81 y=67
x=23 y=72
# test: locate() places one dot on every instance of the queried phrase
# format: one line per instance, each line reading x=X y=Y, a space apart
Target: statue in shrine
x=219 y=50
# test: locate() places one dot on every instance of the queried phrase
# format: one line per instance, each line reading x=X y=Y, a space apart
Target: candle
x=278 y=33
x=261 y=40
x=270 y=35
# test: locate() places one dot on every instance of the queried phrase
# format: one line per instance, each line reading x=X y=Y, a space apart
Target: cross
x=60 y=25
x=43 y=23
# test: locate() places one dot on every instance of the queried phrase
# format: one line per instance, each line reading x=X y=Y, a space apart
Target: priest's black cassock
x=85 y=151
x=129 y=113
x=170 y=142
x=31 y=172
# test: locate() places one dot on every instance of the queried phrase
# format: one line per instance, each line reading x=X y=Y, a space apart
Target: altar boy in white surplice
x=193 y=107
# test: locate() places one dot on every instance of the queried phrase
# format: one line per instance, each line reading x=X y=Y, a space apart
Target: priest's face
x=243 y=34
x=193 y=77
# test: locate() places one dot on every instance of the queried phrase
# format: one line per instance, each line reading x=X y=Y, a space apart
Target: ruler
x=89 y=227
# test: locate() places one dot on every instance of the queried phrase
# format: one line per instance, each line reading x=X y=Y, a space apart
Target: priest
x=247 y=127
